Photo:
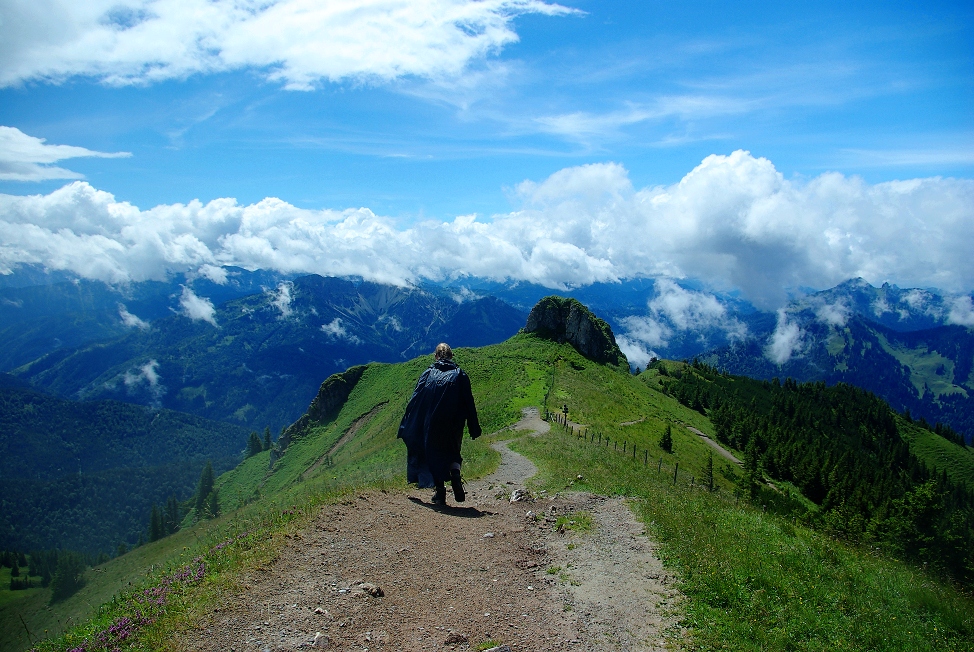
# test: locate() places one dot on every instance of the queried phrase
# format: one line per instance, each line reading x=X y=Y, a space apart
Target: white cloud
x=646 y=330
x=786 y=340
x=26 y=158
x=918 y=299
x=147 y=374
x=961 y=312
x=833 y=314
x=463 y=294
x=197 y=308
x=131 y=320
x=733 y=222
x=635 y=351
x=675 y=309
x=215 y=274
x=296 y=42
x=281 y=298
x=335 y=329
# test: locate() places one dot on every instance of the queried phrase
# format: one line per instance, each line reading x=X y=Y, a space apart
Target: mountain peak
x=567 y=320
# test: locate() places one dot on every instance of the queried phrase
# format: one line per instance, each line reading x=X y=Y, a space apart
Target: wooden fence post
x=659 y=469
x=676 y=470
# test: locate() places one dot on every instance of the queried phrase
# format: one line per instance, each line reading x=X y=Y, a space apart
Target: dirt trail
x=723 y=452
x=454 y=577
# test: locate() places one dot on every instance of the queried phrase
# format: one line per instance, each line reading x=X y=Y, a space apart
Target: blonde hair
x=443 y=352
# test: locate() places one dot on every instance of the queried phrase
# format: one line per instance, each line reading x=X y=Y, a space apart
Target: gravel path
x=723 y=452
x=454 y=578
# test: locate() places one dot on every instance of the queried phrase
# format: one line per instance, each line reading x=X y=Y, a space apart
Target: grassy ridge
x=752 y=581
x=756 y=582
x=938 y=453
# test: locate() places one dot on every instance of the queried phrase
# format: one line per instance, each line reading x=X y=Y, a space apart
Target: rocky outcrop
x=326 y=405
x=567 y=320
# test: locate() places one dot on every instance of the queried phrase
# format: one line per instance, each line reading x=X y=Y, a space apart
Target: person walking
x=432 y=426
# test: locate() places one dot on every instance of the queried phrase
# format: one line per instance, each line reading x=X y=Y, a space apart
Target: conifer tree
x=708 y=473
x=267 y=438
x=253 y=444
x=15 y=571
x=212 y=505
x=204 y=488
x=666 y=441
x=69 y=576
x=156 y=528
x=172 y=516
x=752 y=473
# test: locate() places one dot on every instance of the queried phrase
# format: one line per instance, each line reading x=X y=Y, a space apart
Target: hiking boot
x=439 y=496
x=457 y=486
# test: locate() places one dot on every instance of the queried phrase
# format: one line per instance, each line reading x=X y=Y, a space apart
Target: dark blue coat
x=432 y=426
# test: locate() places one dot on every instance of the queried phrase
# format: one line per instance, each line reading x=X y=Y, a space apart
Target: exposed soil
x=456 y=577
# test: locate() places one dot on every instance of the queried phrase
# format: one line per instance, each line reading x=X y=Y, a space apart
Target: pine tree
x=156 y=528
x=15 y=571
x=212 y=505
x=752 y=472
x=203 y=489
x=666 y=441
x=69 y=576
x=253 y=444
x=172 y=515
x=708 y=473
x=267 y=438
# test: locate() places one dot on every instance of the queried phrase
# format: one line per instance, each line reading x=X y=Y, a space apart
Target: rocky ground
x=388 y=571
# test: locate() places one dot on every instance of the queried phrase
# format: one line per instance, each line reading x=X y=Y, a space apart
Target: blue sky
x=578 y=134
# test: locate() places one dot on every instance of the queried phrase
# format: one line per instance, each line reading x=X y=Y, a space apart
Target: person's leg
x=439 y=496
x=457 y=483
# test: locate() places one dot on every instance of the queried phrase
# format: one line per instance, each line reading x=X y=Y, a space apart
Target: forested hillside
x=83 y=476
x=844 y=449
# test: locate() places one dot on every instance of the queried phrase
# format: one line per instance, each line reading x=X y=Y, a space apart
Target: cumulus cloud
x=27 y=158
x=833 y=314
x=215 y=274
x=786 y=340
x=336 y=330
x=146 y=375
x=961 y=312
x=675 y=309
x=281 y=298
x=197 y=308
x=463 y=294
x=733 y=222
x=295 y=42
x=635 y=351
x=881 y=306
x=131 y=320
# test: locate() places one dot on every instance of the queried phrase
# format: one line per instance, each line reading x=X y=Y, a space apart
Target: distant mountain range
x=898 y=344
x=251 y=347
x=255 y=360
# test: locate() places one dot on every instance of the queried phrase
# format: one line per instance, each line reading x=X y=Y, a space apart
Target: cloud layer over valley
x=734 y=223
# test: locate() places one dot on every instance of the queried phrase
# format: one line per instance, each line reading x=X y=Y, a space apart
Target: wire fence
x=626 y=448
